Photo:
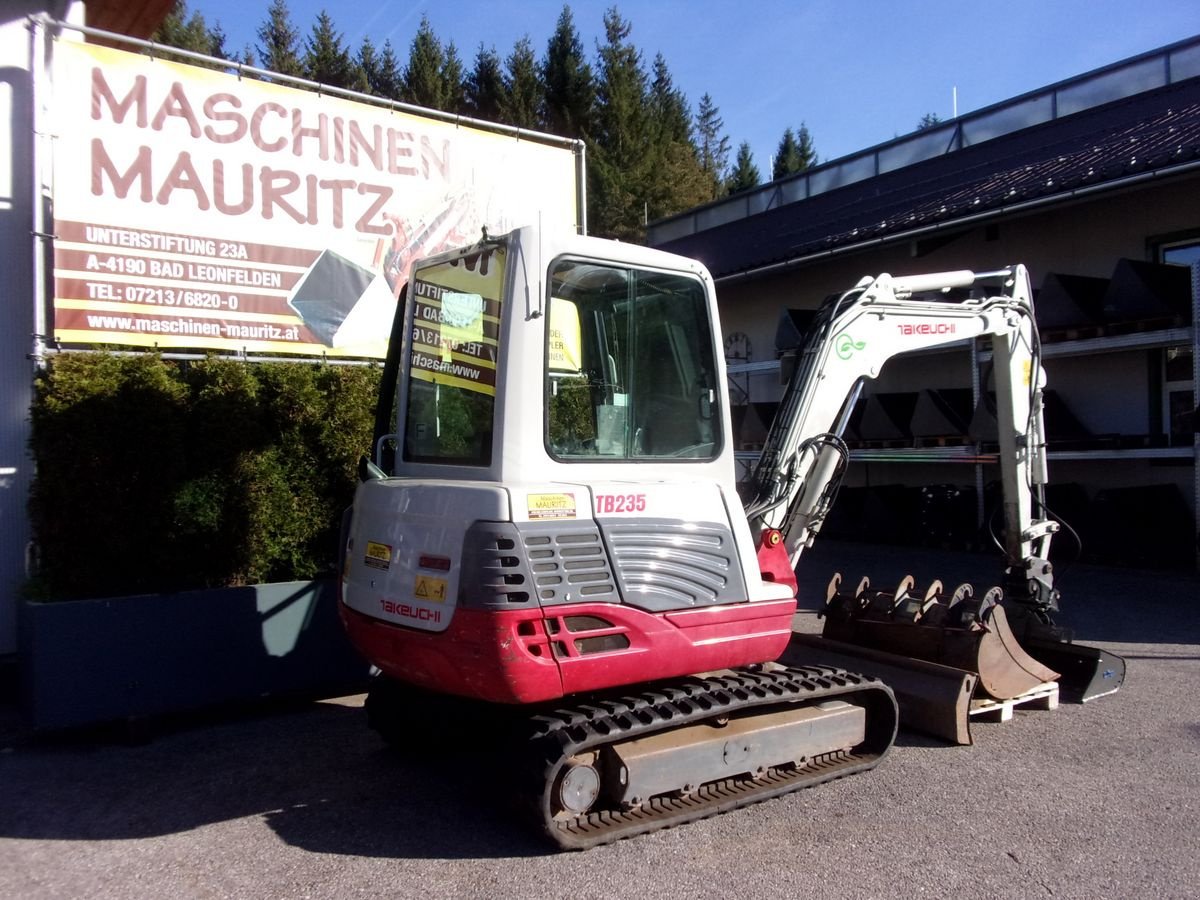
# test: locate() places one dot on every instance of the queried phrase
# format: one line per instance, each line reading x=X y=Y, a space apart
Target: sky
x=855 y=72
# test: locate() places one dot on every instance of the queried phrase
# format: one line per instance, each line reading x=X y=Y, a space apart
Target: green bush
x=155 y=475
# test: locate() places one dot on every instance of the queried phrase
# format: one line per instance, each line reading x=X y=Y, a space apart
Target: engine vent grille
x=664 y=565
x=569 y=566
x=495 y=574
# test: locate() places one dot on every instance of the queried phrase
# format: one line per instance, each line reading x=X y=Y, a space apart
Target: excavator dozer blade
x=965 y=633
x=933 y=699
x=1085 y=672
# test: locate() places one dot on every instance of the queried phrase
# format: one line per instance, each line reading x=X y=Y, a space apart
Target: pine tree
x=928 y=121
x=389 y=78
x=485 y=93
x=712 y=145
x=568 y=84
x=787 y=156
x=677 y=180
x=668 y=105
x=522 y=87
x=278 y=49
x=806 y=149
x=454 y=87
x=795 y=153
x=745 y=174
x=327 y=60
x=620 y=150
x=185 y=32
x=423 y=81
x=368 y=62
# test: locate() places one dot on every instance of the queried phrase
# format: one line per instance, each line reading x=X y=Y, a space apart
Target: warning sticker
x=379 y=556
x=552 y=506
x=427 y=588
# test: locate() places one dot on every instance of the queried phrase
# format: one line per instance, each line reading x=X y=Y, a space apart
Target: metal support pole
x=1196 y=408
x=38 y=63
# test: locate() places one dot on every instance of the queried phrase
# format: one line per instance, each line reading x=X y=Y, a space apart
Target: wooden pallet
x=1044 y=696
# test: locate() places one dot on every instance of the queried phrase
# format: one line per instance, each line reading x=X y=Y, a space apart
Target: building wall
x=16 y=303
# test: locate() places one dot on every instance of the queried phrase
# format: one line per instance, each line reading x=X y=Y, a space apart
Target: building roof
x=1152 y=134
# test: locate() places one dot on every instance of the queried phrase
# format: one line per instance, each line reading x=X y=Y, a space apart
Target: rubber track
x=565 y=733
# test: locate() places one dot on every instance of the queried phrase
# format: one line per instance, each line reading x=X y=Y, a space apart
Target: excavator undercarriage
x=620 y=764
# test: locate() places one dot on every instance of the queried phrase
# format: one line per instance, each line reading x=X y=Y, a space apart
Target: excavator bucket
x=973 y=633
x=1085 y=672
x=960 y=630
x=932 y=699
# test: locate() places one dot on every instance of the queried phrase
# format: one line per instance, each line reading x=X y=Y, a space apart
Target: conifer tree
x=622 y=163
x=423 y=81
x=668 y=105
x=522 y=88
x=745 y=174
x=388 y=83
x=327 y=60
x=568 y=85
x=368 y=62
x=677 y=180
x=185 y=32
x=454 y=87
x=278 y=47
x=712 y=145
x=805 y=147
x=485 y=95
x=787 y=156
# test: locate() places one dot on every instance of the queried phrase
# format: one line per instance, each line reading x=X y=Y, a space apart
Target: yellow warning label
x=379 y=556
x=433 y=589
x=551 y=506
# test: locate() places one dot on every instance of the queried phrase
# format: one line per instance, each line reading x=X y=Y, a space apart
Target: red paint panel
x=502 y=657
x=516 y=657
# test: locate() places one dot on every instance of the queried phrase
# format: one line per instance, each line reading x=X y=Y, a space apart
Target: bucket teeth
x=961 y=609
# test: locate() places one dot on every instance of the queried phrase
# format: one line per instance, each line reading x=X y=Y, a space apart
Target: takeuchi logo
x=929 y=328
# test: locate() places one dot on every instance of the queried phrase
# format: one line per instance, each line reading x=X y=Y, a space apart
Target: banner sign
x=195 y=209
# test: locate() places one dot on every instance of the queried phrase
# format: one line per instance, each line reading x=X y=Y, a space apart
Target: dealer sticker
x=552 y=506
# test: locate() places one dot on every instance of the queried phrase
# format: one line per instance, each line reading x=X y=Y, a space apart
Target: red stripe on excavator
x=530 y=655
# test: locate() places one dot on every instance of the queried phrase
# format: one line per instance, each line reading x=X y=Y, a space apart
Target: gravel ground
x=1099 y=800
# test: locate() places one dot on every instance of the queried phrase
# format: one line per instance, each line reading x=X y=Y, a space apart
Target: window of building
x=1179 y=400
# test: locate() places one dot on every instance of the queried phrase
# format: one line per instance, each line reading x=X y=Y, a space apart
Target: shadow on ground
x=316 y=774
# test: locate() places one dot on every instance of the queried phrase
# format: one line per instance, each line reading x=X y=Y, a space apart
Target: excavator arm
x=853 y=336
x=797 y=474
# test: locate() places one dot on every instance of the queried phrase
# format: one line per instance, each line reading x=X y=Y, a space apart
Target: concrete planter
x=86 y=662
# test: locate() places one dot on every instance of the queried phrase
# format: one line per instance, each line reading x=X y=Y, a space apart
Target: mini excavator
x=550 y=523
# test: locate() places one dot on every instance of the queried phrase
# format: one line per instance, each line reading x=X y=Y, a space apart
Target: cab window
x=630 y=371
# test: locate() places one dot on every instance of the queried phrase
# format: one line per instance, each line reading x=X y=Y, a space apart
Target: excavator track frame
x=566 y=735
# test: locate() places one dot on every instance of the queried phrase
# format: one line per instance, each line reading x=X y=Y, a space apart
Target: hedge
x=156 y=475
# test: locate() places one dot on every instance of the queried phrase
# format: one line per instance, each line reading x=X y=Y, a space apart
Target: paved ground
x=1101 y=800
